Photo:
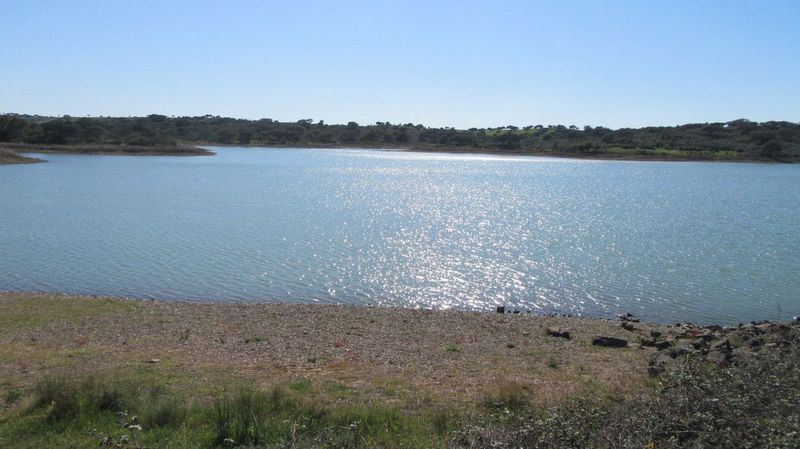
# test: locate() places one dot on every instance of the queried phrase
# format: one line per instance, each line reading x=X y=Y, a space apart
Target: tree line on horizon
x=743 y=138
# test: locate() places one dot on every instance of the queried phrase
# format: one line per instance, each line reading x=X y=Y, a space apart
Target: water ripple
x=671 y=242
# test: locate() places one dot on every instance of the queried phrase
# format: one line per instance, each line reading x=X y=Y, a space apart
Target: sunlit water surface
x=696 y=242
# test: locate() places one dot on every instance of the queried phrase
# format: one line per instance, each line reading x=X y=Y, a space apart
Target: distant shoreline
x=12 y=150
x=500 y=152
x=8 y=157
x=9 y=152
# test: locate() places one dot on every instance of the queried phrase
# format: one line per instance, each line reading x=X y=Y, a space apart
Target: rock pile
x=720 y=345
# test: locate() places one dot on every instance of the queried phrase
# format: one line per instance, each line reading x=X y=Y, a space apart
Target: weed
x=66 y=399
x=12 y=396
x=185 y=333
x=301 y=386
x=507 y=396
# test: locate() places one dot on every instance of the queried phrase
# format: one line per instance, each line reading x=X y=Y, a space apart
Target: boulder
x=661 y=345
x=680 y=350
x=700 y=343
x=721 y=358
x=610 y=342
x=659 y=362
x=628 y=326
x=629 y=317
x=558 y=332
x=753 y=343
x=722 y=346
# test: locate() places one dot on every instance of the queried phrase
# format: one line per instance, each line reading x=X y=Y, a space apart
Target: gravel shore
x=353 y=353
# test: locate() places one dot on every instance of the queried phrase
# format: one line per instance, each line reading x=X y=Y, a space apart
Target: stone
x=659 y=362
x=628 y=326
x=722 y=346
x=721 y=358
x=736 y=339
x=753 y=343
x=610 y=342
x=153 y=360
x=680 y=350
x=501 y=309
x=661 y=345
x=558 y=332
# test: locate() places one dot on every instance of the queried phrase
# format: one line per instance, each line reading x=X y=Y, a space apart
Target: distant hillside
x=736 y=140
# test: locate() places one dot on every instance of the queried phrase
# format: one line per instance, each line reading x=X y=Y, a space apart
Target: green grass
x=66 y=412
x=453 y=348
x=301 y=386
x=12 y=395
x=27 y=312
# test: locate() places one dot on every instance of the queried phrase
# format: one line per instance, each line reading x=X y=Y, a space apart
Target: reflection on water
x=666 y=241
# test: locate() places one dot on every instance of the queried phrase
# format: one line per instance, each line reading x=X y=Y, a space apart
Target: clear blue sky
x=441 y=63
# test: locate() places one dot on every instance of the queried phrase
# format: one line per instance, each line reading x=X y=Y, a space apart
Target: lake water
x=699 y=242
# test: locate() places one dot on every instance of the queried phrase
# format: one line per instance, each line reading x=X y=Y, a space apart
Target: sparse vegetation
x=753 y=404
x=78 y=372
x=10 y=157
x=301 y=385
x=12 y=395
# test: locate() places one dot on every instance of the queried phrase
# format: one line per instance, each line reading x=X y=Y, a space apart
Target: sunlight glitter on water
x=666 y=241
